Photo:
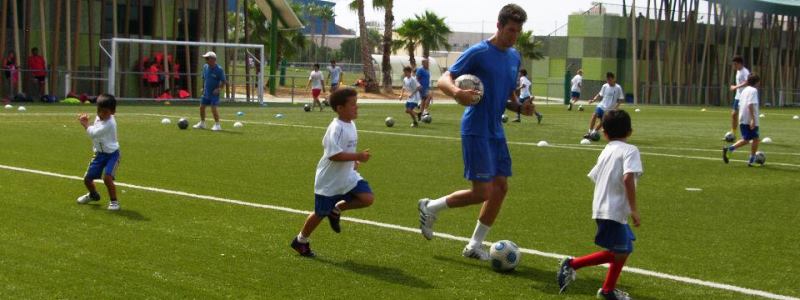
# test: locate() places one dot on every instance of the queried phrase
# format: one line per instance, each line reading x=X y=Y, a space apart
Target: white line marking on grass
x=688 y=280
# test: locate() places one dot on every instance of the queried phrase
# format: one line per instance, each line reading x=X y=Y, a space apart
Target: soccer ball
x=325 y=102
x=470 y=82
x=9 y=106
x=307 y=108
x=389 y=122
x=729 y=137
x=241 y=113
x=21 y=108
x=504 y=118
x=594 y=136
x=165 y=121
x=767 y=140
x=238 y=125
x=580 y=107
x=427 y=119
x=761 y=158
x=504 y=256
x=183 y=123
x=279 y=116
x=585 y=142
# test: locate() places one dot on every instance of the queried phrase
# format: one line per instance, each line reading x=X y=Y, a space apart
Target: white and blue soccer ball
x=761 y=158
x=426 y=119
x=729 y=137
x=504 y=118
x=389 y=122
x=504 y=256
x=238 y=125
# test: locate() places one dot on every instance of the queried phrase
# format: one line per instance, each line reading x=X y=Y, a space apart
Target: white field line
x=634 y=270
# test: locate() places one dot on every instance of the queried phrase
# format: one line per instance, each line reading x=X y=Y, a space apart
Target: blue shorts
x=103 y=163
x=210 y=100
x=614 y=236
x=334 y=85
x=736 y=105
x=485 y=158
x=522 y=100
x=324 y=204
x=599 y=112
x=575 y=95
x=411 y=105
x=747 y=133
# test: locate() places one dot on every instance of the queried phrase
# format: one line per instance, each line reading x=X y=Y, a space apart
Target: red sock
x=593 y=259
x=614 y=269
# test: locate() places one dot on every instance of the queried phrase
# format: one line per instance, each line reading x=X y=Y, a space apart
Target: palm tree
x=528 y=47
x=312 y=10
x=369 y=71
x=409 y=33
x=388 y=22
x=433 y=34
x=327 y=15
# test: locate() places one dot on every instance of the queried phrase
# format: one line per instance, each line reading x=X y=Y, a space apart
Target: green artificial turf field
x=740 y=230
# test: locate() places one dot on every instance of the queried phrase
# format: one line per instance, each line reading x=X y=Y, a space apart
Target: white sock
x=437 y=205
x=479 y=235
x=301 y=238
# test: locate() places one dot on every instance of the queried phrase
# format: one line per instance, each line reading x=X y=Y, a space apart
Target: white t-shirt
x=577 y=83
x=336 y=72
x=104 y=135
x=749 y=96
x=411 y=86
x=525 y=87
x=316 y=80
x=610 y=202
x=610 y=96
x=337 y=177
x=741 y=76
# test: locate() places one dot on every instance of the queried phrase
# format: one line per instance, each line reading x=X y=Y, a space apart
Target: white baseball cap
x=210 y=54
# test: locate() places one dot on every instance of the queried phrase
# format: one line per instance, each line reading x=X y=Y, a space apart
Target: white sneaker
x=426 y=219
x=216 y=127
x=476 y=253
x=200 y=125
x=113 y=205
x=85 y=199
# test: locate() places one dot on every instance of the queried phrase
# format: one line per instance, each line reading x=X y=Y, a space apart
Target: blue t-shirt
x=424 y=78
x=213 y=77
x=497 y=69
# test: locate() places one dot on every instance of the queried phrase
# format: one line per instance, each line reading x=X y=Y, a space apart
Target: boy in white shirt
x=612 y=95
x=335 y=75
x=412 y=86
x=106 y=151
x=524 y=88
x=575 y=89
x=317 y=85
x=615 y=175
x=748 y=120
x=742 y=74
x=337 y=184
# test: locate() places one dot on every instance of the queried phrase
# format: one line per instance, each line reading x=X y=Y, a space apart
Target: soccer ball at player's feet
x=761 y=158
x=183 y=123
x=580 y=107
x=426 y=119
x=307 y=108
x=504 y=256
x=389 y=122
x=729 y=137
x=594 y=136
x=504 y=118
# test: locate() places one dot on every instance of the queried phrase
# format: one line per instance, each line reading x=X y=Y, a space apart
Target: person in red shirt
x=152 y=79
x=38 y=69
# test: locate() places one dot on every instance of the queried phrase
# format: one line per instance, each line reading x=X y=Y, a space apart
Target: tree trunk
x=386 y=66
x=324 y=33
x=56 y=49
x=371 y=85
x=3 y=22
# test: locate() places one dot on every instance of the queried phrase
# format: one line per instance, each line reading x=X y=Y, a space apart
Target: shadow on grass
x=382 y=273
x=129 y=214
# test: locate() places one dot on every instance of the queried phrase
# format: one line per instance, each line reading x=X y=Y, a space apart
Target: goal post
x=116 y=63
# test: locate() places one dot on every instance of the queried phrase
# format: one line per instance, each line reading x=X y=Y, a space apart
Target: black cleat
x=725 y=155
x=334 y=218
x=303 y=248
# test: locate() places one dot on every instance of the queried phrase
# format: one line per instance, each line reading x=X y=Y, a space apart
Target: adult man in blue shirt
x=214 y=79
x=424 y=79
x=487 y=162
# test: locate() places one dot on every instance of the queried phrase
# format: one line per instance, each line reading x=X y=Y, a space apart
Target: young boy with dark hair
x=615 y=175
x=524 y=88
x=742 y=74
x=748 y=120
x=612 y=95
x=337 y=184
x=412 y=86
x=106 y=151
x=317 y=85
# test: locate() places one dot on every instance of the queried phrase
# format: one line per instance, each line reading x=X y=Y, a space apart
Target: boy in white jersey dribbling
x=748 y=121
x=106 y=151
x=612 y=95
x=412 y=86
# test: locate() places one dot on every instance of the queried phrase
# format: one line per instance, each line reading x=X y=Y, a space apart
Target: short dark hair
x=333 y=61
x=316 y=66
x=617 y=124
x=523 y=72
x=407 y=69
x=753 y=79
x=512 y=12
x=738 y=59
x=34 y=49
x=610 y=75
x=107 y=101
x=340 y=96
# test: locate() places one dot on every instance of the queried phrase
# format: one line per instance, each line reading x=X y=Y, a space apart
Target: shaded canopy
x=286 y=17
x=778 y=7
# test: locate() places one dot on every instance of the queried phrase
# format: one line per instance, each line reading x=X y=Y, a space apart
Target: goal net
x=163 y=70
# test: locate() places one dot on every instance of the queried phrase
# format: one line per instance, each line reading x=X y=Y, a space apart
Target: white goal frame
x=111 y=87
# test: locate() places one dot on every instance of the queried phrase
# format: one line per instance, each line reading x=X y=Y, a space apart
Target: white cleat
x=426 y=219
x=85 y=199
x=199 y=125
x=476 y=253
x=216 y=127
x=113 y=205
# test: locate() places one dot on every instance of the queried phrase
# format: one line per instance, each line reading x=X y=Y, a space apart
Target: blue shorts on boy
x=599 y=112
x=614 y=236
x=747 y=133
x=324 y=204
x=103 y=163
x=736 y=104
x=411 y=105
x=575 y=94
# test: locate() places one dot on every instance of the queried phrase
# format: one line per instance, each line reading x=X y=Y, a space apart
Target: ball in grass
x=585 y=142
x=240 y=113
x=307 y=108
x=9 y=106
x=542 y=144
x=238 y=125
x=761 y=116
x=166 y=121
x=279 y=116
x=767 y=140
x=637 y=110
x=796 y=118
x=504 y=118
x=389 y=122
x=183 y=123
x=22 y=108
